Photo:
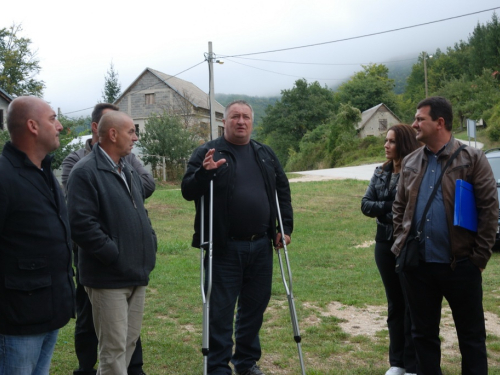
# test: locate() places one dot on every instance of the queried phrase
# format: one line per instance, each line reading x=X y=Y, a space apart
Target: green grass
x=481 y=137
x=327 y=266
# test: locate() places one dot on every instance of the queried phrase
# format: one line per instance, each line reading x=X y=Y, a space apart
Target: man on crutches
x=246 y=177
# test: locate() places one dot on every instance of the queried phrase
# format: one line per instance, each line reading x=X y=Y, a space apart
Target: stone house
x=5 y=99
x=156 y=92
x=376 y=120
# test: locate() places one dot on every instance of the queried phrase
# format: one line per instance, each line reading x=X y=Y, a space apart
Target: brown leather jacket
x=470 y=165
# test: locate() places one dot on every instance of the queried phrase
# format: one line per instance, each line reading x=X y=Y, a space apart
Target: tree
x=72 y=128
x=312 y=152
x=4 y=137
x=164 y=136
x=472 y=98
x=112 y=88
x=302 y=108
x=325 y=145
x=368 y=88
x=343 y=130
x=18 y=64
x=493 y=130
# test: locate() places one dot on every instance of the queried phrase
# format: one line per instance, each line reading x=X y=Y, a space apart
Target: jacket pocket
x=28 y=293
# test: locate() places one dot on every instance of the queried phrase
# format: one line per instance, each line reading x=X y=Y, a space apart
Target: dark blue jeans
x=243 y=274
x=27 y=355
x=425 y=288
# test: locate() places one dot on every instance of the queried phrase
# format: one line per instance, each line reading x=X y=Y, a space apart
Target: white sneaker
x=396 y=371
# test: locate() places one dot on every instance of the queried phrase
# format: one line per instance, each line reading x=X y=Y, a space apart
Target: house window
x=1 y=119
x=382 y=124
x=137 y=129
x=221 y=131
x=150 y=98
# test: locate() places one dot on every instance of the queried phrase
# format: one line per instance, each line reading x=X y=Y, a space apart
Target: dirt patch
x=369 y=320
x=365 y=244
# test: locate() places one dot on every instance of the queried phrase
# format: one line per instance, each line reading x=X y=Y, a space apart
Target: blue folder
x=465 y=206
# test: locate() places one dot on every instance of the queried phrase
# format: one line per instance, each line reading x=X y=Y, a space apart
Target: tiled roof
x=6 y=96
x=195 y=95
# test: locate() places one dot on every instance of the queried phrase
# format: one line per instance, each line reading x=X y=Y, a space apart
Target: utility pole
x=425 y=74
x=210 y=58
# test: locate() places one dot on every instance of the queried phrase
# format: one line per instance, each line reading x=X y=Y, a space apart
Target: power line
x=288 y=75
x=366 y=35
x=312 y=63
x=154 y=84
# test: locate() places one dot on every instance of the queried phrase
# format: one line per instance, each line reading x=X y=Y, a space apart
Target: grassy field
x=328 y=266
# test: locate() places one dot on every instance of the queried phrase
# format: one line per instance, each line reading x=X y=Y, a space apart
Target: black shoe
x=254 y=370
x=137 y=373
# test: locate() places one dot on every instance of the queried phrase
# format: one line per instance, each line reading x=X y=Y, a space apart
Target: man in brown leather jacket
x=451 y=258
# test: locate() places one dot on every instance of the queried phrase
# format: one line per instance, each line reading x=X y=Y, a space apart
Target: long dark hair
x=406 y=141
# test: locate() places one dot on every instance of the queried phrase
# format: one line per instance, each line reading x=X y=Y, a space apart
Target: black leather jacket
x=378 y=200
x=196 y=183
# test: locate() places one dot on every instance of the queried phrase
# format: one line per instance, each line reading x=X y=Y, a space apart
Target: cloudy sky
x=77 y=41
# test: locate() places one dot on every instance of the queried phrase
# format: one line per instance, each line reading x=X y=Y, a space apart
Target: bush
x=493 y=132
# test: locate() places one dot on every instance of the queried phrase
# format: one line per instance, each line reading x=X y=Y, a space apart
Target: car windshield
x=495 y=166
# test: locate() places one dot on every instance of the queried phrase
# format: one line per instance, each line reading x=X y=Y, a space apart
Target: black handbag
x=408 y=258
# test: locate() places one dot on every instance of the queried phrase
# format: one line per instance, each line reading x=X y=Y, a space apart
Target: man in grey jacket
x=69 y=162
x=117 y=245
x=85 y=336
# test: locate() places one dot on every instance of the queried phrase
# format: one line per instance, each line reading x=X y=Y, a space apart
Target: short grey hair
x=240 y=101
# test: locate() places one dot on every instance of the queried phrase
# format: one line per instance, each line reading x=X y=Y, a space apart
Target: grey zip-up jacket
x=117 y=244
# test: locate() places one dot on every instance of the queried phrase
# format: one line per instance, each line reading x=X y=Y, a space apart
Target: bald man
x=85 y=337
x=117 y=245
x=36 y=276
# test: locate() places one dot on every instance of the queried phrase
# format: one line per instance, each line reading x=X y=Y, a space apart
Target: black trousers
x=401 y=349
x=425 y=288
x=86 y=340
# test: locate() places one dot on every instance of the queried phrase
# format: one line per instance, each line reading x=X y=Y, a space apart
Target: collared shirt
x=118 y=168
x=435 y=244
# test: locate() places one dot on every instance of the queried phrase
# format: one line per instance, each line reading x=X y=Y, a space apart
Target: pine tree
x=112 y=88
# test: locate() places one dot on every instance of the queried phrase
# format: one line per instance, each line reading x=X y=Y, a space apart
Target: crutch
x=206 y=296
x=289 y=292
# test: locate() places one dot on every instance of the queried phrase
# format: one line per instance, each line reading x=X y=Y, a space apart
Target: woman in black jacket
x=377 y=202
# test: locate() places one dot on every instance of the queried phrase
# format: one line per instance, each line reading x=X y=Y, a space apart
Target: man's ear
x=32 y=126
x=441 y=122
x=94 y=127
x=112 y=134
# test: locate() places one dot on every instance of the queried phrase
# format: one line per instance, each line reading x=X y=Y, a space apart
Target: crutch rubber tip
x=297 y=339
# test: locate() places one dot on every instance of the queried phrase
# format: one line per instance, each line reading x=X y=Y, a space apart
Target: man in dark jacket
x=246 y=176
x=117 y=245
x=36 y=277
x=85 y=336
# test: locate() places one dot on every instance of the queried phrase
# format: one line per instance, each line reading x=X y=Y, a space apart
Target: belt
x=253 y=237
